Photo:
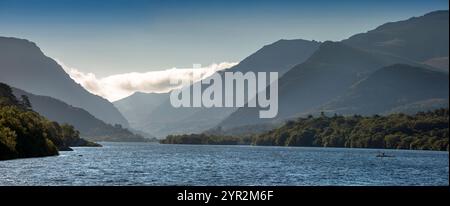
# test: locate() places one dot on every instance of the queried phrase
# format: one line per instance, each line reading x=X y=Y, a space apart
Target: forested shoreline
x=25 y=133
x=422 y=131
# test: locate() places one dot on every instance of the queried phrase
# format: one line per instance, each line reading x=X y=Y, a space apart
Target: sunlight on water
x=155 y=164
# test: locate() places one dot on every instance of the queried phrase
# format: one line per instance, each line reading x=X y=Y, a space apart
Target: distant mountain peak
x=14 y=44
x=417 y=38
x=333 y=44
x=336 y=66
x=288 y=41
x=25 y=66
x=437 y=13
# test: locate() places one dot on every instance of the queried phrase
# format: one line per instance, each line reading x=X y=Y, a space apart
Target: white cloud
x=119 y=86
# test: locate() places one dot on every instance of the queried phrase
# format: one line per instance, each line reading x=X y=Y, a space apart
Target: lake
x=157 y=164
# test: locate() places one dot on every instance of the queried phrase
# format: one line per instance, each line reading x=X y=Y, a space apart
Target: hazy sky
x=120 y=36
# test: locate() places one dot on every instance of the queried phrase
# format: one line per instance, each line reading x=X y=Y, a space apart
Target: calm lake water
x=155 y=164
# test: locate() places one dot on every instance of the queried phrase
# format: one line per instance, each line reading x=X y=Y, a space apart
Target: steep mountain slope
x=393 y=88
x=327 y=74
x=418 y=38
x=278 y=57
x=331 y=71
x=23 y=65
x=89 y=126
x=25 y=133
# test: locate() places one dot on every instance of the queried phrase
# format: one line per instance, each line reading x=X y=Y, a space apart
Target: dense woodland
x=423 y=131
x=206 y=139
x=25 y=133
x=88 y=125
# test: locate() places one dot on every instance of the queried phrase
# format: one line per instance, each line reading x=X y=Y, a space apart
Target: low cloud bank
x=119 y=86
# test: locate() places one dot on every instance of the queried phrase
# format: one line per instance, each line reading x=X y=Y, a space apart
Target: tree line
x=206 y=139
x=25 y=133
x=422 y=131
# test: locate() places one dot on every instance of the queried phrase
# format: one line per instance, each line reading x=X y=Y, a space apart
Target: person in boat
x=382 y=154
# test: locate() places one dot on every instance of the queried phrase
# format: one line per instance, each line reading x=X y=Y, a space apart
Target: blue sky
x=119 y=36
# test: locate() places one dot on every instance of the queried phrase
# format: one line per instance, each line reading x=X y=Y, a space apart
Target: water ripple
x=155 y=164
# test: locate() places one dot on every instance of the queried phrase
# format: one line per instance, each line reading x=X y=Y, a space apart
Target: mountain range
x=88 y=125
x=419 y=38
x=397 y=67
x=402 y=88
x=139 y=106
x=23 y=65
x=165 y=119
x=336 y=67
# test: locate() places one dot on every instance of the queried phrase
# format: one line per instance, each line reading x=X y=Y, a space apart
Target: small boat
x=384 y=155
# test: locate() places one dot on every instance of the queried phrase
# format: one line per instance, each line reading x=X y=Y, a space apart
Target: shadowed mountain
x=23 y=65
x=331 y=70
x=327 y=74
x=25 y=133
x=396 y=88
x=89 y=126
x=279 y=56
x=165 y=119
x=418 y=38
x=137 y=107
